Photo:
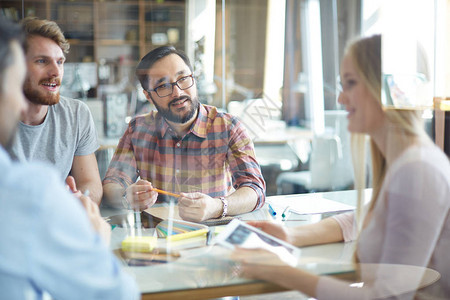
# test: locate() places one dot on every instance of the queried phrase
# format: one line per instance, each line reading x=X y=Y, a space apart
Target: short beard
x=37 y=97
x=168 y=115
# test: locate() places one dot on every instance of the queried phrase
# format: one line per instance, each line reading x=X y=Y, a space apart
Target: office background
x=273 y=63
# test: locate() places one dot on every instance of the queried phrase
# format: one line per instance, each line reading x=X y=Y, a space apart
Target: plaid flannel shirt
x=215 y=157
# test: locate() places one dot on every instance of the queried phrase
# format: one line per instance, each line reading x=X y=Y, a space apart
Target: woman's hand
x=264 y=265
x=258 y=264
x=274 y=229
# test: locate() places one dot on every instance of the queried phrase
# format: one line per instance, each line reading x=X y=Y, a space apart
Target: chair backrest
x=330 y=164
x=337 y=120
x=326 y=152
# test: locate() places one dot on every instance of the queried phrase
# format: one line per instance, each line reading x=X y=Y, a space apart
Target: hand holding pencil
x=166 y=193
x=140 y=195
x=192 y=206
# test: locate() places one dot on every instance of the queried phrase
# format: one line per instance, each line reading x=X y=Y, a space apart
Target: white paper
x=306 y=205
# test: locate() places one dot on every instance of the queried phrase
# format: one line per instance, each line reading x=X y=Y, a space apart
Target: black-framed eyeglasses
x=166 y=89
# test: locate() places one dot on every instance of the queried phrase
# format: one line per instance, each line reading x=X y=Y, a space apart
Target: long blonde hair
x=365 y=54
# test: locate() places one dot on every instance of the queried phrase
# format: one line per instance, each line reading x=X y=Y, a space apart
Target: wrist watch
x=225 y=206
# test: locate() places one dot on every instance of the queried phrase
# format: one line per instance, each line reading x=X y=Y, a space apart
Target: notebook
x=162 y=212
x=180 y=230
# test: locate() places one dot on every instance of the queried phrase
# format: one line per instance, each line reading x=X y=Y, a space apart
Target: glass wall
x=273 y=63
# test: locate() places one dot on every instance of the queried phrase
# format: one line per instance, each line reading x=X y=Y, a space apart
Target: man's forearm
x=113 y=194
x=242 y=200
x=95 y=191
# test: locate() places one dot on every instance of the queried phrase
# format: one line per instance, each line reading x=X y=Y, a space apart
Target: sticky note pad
x=180 y=230
x=139 y=243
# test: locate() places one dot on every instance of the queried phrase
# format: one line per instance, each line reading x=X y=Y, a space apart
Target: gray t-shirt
x=68 y=130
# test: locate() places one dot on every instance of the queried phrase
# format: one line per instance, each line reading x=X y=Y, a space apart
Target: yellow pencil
x=166 y=193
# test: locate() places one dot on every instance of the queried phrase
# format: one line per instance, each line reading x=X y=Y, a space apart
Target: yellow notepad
x=139 y=243
x=180 y=230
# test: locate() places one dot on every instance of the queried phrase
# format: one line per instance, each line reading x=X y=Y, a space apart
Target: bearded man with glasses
x=183 y=147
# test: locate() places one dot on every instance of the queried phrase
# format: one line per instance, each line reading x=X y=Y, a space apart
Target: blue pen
x=271 y=210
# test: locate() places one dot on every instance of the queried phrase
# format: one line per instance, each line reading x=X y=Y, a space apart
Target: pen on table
x=285 y=212
x=271 y=210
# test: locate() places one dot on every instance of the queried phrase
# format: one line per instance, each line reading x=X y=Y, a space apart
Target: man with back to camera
x=49 y=243
x=184 y=147
x=54 y=128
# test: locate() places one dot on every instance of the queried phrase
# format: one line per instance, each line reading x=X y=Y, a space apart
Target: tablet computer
x=240 y=234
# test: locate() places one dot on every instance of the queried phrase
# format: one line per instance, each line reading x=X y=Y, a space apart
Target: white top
x=409 y=225
x=68 y=130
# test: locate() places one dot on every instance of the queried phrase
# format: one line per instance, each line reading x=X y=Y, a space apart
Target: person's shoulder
x=27 y=177
x=425 y=159
x=426 y=153
x=433 y=155
x=213 y=113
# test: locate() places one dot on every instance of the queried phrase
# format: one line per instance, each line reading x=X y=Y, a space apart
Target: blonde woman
x=407 y=221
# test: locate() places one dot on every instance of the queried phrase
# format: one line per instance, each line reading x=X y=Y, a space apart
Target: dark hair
x=152 y=57
x=9 y=32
